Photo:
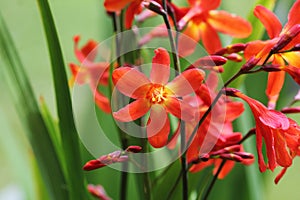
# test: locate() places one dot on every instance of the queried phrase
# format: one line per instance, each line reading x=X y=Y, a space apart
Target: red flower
x=203 y=21
x=157 y=95
x=275 y=32
x=281 y=134
x=93 y=73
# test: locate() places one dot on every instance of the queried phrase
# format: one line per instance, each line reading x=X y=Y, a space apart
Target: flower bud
x=286 y=38
x=210 y=61
x=155 y=7
x=133 y=149
x=271 y=68
x=235 y=48
x=250 y=64
x=291 y=110
x=98 y=191
x=234 y=57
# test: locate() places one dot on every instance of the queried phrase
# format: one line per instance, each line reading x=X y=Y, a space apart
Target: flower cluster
x=204 y=113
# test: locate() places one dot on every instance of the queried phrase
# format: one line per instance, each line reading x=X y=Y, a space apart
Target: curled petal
x=98 y=191
x=187 y=82
x=179 y=109
x=158 y=127
x=269 y=20
x=230 y=24
x=283 y=158
x=280 y=175
x=205 y=5
x=160 y=70
x=274 y=86
x=132 y=111
x=131 y=82
x=293 y=58
x=259 y=144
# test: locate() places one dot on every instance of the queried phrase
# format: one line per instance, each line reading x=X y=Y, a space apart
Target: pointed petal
x=234 y=110
x=132 y=111
x=131 y=82
x=259 y=144
x=173 y=141
x=179 y=109
x=274 y=86
x=187 y=82
x=293 y=17
x=283 y=158
x=253 y=48
x=160 y=70
x=158 y=127
x=210 y=38
x=225 y=170
x=269 y=20
x=230 y=24
x=268 y=136
x=102 y=102
x=188 y=40
x=115 y=6
x=133 y=8
x=280 y=175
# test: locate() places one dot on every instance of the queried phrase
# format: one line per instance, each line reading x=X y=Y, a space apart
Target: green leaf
x=34 y=126
x=232 y=68
x=68 y=131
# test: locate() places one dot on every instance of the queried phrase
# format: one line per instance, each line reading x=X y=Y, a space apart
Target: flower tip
x=76 y=38
x=232 y=92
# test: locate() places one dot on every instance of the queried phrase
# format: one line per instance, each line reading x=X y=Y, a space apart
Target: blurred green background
x=18 y=171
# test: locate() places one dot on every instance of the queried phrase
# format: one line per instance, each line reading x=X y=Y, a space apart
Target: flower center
x=157 y=94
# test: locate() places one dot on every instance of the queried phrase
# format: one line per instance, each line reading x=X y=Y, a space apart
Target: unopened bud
x=286 y=38
x=98 y=191
x=133 y=149
x=231 y=157
x=271 y=68
x=210 y=61
x=234 y=57
x=245 y=155
x=235 y=48
x=250 y=64
x=296 y=48
x=93 y=164
x=291 y=110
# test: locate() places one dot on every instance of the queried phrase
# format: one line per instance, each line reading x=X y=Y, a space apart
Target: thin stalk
x=184 y=171
x=174 y=186
x=250 y=133
x=123 y=139
x=211 y=185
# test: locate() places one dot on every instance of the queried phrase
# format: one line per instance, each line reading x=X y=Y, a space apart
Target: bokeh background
x=19 y=173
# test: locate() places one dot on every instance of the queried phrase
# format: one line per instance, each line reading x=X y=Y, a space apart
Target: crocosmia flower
x=203 y=22
x=281 y=134
x=90 y=72
x=157 y=95
x=276 y=32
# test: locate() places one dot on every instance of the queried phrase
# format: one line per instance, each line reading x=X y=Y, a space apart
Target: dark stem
x=123 y=139
x=184 y=170
x=212 y=183
x=250 y=133
x=172 y=43
x=174 y=186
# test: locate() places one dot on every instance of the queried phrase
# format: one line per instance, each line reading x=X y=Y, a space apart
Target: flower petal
x=179 y=109
x=205 y=5
x=132 y=111
x=210 y=38
x=133 y=8
x=274 y=86
x=229 y=24
x=259 y=144
x=293 y=58
x=269 y=20
x=226 y=168
x=187 y=82
x=188 y=40
x=131 y=82
x=158 y=126
x=293 y=17
x=115 y=6
x=160 y=71
x=283 y=158
x=102 y=102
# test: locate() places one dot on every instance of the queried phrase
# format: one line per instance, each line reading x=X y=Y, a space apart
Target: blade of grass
x=35 y=128
x=257 y=33
x=68 y=131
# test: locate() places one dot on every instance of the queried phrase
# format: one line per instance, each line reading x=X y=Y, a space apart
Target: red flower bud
x=291 y=110
x=210 y=61
x=271 y=68
x=250 y=64
x=93 y=164
x=231 y=156
x=235 y=48
x=234 y=57
x=98 y=191
x=133 y=149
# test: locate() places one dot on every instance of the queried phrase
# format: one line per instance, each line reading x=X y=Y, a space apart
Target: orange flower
x=216 y=132
x=281 y=134
x=275 y=32
x=157 y=95
x=93 y=73
x=203 y=22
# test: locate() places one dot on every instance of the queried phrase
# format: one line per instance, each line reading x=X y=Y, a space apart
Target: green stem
x=184 y=171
